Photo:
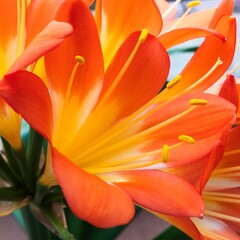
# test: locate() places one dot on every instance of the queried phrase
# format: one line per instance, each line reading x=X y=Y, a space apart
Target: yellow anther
x=80 y=59
x=195 y=101
x=143 y=35
x=186 y=138
x=165 y=153
x=193 y=4
x=174 y=81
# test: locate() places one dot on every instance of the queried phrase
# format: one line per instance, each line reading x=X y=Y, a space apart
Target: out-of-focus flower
x=117 y=19
x=109 y=133
x=19 y=26
x=222 y=198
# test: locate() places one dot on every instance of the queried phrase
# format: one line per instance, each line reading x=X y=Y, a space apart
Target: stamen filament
x=225 y=170
x=221 y=199
x=79 y=61
x=220 y=194
x=170 y=9
x=227 y=153
x=116 y=81
x=222 y=216
x=218 y=62
x=190 y=5
x=82 y=155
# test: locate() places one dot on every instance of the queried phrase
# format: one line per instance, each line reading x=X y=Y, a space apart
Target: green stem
x=35 y=230
x=61 y=231
x=33 y=155
x=7 y=173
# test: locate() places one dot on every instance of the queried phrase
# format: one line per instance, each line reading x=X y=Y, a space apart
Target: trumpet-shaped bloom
x=19 y=26
x=110 y=137
x=117 y=19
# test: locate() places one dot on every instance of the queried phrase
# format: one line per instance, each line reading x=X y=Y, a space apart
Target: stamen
x=170 y=9
x=165 y=153
x=194 y=101
x=116 y=81
x=79 y=61
x=143 y=35
x=193 y=4
x=174 y=81
x=190 y=5
x=218 y=63
x=186 y=138
x=222 y=216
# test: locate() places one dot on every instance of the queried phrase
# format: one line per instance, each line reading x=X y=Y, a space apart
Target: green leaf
x=12 y=194
x=172 y=233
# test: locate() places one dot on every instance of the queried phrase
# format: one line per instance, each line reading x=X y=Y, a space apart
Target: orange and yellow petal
x=27 y=95
x=8 y=33
x=203 y=70
x=117 y=19
x=51 y=36
x=39 y=15
x=181 y=35
x=90 y=198
x=83 y=42
x=157 y=191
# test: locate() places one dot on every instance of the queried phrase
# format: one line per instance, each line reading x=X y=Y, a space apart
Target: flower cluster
x=108 y=129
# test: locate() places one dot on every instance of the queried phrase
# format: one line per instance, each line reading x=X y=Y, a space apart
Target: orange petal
x=27 y=95
x=181 y=35
x=157 y=191
x=205 y=58
x=206 y=121
x=44 y=10
x=184 y=224
x=210 y=153
x=117 y=19
x=90 y=198
x=84 y=42
x=224 y=8
x=209 y=226
x=8 y=32
x=45 y=41
x=138 y=81
x=229 y=90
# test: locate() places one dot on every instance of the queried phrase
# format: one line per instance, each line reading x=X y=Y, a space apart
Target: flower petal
x=184 y=224
x=8 y=33
x=195 y=75
x=157 y=191
x=181 y=35
x=39 y=15
x=214 y=227
x=229 y=90
x=84 y=42
x=28 y=96
x=45 y=41
x=224 y=8
x=90 y=198
x=140 y=80
x=117 y=19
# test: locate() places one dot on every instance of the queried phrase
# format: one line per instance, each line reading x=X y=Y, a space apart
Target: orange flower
x=110 y=136
x=19 y=26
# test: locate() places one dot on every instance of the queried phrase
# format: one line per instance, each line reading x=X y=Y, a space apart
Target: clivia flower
x=20 y=28
x=110 y=136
